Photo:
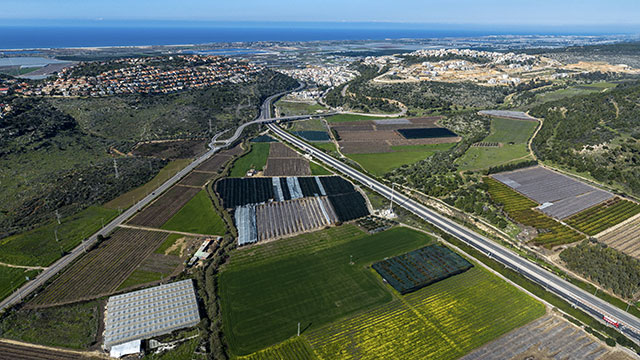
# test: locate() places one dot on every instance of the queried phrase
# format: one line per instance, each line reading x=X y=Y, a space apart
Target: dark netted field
x=419 y=268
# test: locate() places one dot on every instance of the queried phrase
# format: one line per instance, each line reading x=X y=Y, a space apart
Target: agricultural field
x=255 y=159
x=13 y=278
x=510 y=137
x=603 y=216
x=381 y=163
x=198 y=216
x=283 y=161
x=549 y=337
x=296 y=348
x=442 y=321
x=73 y=326
x=118 y=256
x=237 y=192
x=129 y=198
x=217 y=162
x=520 y=209
x=426 y=133
x=266 y=290
x=317 y=169
x=164 y=207
x=12 y=351
x=571 y=92
x=38 y=247
x=624 y=238
x=349 y=206
x=422 y=267
x=196 y=178
x=284 y=218
x=560 y=195
x=154 y=268
x=339 y=118
x=313 y=135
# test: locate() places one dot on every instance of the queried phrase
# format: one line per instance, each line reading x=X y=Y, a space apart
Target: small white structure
x=128 y=348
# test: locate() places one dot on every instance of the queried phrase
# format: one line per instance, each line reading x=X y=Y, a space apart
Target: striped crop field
x=296 y=348
x=442 y=321
x=520 y=209
x=598 y=218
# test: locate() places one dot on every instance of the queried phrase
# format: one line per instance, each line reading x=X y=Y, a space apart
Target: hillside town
x=153 y=75
x=323 y=75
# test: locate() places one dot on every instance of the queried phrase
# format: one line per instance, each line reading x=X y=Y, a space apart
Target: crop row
x=419 y=268
x=103 y=269
x=520 y=209
x=442 y=321
x=603 y=216
x=349 y=206
x=293 y=349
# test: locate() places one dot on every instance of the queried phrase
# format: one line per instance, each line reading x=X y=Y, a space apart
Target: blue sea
x=16 y=36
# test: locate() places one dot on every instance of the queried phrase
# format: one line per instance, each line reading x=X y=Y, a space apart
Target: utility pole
x=58 y=216
x=391 y=202
x=298 y=328
x=115 y=167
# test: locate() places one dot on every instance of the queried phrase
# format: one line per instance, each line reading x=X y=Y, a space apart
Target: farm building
x=150 y=312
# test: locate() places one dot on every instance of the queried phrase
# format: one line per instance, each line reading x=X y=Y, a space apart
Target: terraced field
x=603 y=216
x=442 y=321
x=625 y=238
x=102 y=270
x=520 y=209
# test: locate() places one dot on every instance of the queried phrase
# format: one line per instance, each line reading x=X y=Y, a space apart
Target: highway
x=592 y=305
x=32 y=285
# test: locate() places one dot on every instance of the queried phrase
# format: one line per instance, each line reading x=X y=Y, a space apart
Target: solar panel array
x=150 y=312
x=559 y=195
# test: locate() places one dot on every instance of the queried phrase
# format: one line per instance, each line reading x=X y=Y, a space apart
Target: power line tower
x=115 y=167
x=58 y=216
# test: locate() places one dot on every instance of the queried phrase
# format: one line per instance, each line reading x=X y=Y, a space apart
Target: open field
x=216 y=163
x=307 y=125
x=163 y=208
x=603 y=216
x=196 y=178
x=197 y=216
x=283 y=161
x=73 y=326
x=296 y=348
x=155 y=267
x=549 y=337
x=349 y=118
x=266 y=290
x=290 y=108
x=13 y=278
x=381 y=163
x=560 y=196
x=172 y=149
x=442 y=321
x=254 y=159
x=9 y=351
x=317 y=169
x=313 y=135
x=519 y=209
x=129 y=198
x=510 y=137
x=103 y=269
x=283 y=218
x=624 y=238
x=38 y=247
x=571 y=92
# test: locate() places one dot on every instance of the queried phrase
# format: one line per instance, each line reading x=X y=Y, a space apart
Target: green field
x=129 y=198
x=254 y=159
x=442 y=321
x=351 y=117
x=171 y=239
x=572 y=91
x=381 y=163
x=513 y=136
x=266 y=290
x=295 y=348
x=12 y=278
x=318 y=169
x=603 y=216
x=308 y=125
x=197 y=216
x=71 y=326
x=38 y=247
x=289 y=108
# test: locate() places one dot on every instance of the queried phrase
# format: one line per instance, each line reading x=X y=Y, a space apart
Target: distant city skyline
x=612 y=14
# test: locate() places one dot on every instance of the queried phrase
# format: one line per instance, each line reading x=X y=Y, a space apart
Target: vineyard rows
x=419 y=268
x=102 y=270
x=167 y=205
x=624 y=238
x=601 y=217
x=443 y=321
x=519 y=208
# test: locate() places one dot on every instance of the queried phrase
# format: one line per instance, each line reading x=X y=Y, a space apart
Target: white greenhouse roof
x=150 y=312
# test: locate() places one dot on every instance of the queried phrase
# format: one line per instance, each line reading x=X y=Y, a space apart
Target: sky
x=479 y=12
